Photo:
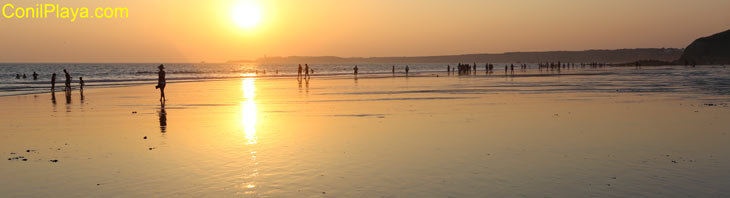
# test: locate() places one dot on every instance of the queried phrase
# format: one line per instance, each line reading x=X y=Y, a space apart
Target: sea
x=714 y=79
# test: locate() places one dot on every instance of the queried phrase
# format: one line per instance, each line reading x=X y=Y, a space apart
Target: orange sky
x=194 y=31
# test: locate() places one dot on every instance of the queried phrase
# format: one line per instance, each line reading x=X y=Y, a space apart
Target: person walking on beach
x=393 y=69
x=68 y=80
x=81 y=83
x=161 y=82
x=407 y=70
x=35 y=76
x=355 y=70
x=53 y=83
x=17 y=76
x=24 y=76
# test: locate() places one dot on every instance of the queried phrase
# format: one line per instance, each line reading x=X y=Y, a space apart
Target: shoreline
x=498 y=72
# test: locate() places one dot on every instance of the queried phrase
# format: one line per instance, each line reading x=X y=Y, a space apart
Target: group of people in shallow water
x=67 y=84
x=550 y=66
x=35 y=76
x=467 y=68
x=357 y=69
x=161 y=82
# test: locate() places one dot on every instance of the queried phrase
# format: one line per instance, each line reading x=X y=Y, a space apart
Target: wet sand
x=378 y=136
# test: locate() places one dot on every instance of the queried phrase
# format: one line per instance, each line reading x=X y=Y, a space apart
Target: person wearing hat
x=161 y=82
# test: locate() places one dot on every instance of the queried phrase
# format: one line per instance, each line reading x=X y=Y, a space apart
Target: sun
x=246 y=14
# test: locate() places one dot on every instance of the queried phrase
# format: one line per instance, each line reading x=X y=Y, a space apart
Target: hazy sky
x=194 y=31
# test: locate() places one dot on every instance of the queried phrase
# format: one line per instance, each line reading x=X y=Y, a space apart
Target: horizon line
x=255 y=60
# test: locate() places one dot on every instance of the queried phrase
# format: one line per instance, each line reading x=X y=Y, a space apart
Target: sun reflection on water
x=248 y=110
x=249 y=116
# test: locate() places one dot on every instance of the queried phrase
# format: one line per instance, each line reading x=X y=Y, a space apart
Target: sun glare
x=246 y=14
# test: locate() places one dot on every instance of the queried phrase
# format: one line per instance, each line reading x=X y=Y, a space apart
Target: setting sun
x=246 y=14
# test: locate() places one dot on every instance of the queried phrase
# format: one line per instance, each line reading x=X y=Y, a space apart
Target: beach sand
x=377 y=136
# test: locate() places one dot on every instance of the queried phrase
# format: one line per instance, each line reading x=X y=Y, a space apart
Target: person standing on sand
x=68 y=80
x=393 y=69
x=299 y=72
x=306 y=71
x=53 y=83
x=355 y=70
x=81 y=83
x=161 y=82
x=35 y=76
x=407 y=70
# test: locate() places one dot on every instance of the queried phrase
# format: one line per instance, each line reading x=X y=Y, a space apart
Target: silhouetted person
x=35 y=76
x=68 y=80
x=161 y=82
x=299 y=72
x=306 y=71
x=448 y=69
x=393 y=69
x=407 y=70
x=355 y=69
x=24 y=76
x=17 y=76
x=53 y=82
x=81 y=83
x=311 y=71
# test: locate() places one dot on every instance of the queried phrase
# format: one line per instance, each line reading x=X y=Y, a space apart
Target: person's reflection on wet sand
x=82 y=96
x=68 y=97
x=163 y=118
x=53 y=97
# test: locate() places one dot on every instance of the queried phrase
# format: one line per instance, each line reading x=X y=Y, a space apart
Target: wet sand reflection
x=248 y=124
x=163 y=118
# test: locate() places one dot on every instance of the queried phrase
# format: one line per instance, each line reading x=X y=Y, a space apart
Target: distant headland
x=714 y=49
x=708 y=50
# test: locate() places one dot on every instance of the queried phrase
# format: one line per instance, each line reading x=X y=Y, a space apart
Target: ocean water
x=711 y=78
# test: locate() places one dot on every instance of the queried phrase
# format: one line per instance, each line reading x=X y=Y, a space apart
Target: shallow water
x=617 y=132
